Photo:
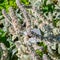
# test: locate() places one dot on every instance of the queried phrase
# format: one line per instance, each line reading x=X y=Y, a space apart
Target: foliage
x=25 y=2
x=44 y=2
x=48 y=7
x=40 y=44
x=3 y=38
x=12 y=53
x=40 y=53
x=35 y=14
x=6 y=4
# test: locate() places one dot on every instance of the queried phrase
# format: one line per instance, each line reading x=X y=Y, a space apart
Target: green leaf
x=6 y=4
x=45 y=9
x=40 y=53
x=26 y=2
x=45 y=2
x=45 y=49
x=41 y=44
x=3 y=38
x=1 y=1
x=48 y=8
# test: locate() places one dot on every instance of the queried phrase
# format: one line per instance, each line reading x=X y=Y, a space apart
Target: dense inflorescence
x=31 y=31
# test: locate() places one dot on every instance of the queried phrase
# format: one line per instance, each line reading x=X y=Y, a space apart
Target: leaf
x=2 y=33
x=48 y=8
x=1 y=1
x=6 y=4
x=45 y=49
x=40 y=53
x=41 y=44
x=45 y=9
x=3 y=38
x=26 y=2
x=45 y=2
